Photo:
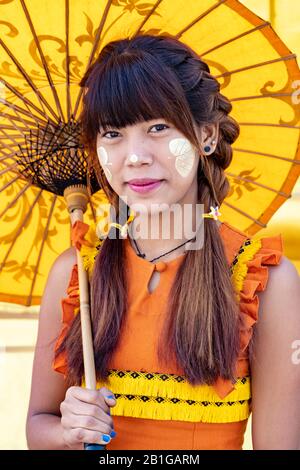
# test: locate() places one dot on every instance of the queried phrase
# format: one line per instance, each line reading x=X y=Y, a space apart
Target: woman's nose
x=137 y=159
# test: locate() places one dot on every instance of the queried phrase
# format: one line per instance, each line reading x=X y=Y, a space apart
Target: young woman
x=178 y=366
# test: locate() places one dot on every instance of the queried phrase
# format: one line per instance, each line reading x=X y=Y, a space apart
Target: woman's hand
x=85 y=417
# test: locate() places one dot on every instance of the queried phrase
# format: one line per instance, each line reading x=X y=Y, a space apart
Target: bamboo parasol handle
x=76 y=198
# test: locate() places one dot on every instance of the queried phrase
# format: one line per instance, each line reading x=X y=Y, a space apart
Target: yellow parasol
x=45 y=48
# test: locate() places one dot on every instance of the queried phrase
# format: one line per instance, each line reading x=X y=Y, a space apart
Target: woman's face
x=149 y=149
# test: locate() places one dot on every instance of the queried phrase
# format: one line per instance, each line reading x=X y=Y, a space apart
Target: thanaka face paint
x=103 y=159
x=185 y=155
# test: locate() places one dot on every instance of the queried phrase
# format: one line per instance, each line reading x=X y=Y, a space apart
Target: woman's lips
x=145 y=188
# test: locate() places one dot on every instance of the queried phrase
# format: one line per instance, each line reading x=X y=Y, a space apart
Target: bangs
x=134 y=87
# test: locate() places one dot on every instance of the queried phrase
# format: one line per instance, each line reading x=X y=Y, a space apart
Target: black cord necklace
x=142 y=255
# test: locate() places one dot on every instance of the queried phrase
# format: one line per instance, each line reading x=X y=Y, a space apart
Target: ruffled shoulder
x=250 y=275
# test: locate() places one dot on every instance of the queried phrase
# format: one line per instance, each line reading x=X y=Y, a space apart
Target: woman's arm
x=48 y=388
x=275 y=369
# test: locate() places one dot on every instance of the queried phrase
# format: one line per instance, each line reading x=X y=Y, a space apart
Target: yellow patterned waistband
x=172 y=397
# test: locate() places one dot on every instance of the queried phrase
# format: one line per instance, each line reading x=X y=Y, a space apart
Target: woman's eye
x=109 y=132
x=158 y=125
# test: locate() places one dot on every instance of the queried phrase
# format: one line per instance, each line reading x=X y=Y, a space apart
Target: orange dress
x=156 y=407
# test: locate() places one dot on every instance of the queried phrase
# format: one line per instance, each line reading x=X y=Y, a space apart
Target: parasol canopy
x=45 y=49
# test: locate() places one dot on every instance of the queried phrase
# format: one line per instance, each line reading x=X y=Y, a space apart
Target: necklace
x=143 y=255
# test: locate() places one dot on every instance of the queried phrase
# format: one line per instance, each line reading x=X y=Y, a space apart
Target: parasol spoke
x=25 y=100
x=16 y=118
x=28 y=79
x=45 y=234
x=255 y=152
x=271 y=124
x=240 y=211
x=17 y=197
x=258 y=64
x=44 y=62
x=8 y=137
x=12 y=128
x=22 y=225
x=9 y=168
x=6 y=146
x=69 y=104
x=255 y=183
x=6 y=156
x=147 y=16
x=265 y=95
x=94 y=48
x=9 y=183
x=196 y=20
x=239 y=36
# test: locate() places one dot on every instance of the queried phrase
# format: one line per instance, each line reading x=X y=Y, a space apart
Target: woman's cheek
x=185 y=155
x=103 y=160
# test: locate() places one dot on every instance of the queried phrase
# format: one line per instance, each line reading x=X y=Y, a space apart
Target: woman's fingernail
x=111 y=396
x=113 y=434
x=105 y=438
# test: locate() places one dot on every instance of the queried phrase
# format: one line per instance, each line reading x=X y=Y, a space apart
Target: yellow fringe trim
x=170 y=386
x=205 y=412
x=240 y=269
x=172 y=397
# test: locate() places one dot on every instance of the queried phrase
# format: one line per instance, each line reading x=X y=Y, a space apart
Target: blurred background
x=18 y=325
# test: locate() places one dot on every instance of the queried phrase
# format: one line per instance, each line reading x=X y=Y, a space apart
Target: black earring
x=207 y=148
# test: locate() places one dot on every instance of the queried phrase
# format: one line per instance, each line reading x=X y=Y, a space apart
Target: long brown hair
x=144 y=78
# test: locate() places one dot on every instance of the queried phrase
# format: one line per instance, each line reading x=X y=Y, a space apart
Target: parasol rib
x=196 y=20
x=271 y=124
x=12 y=203
x=247 y=180
x=45 y=234
x=7 y=185
x=20 y=229
x=99 y=31
x=6 y=156
x=15 y=108
x=245 y=33
x=9 y=137
x=265 y=95
x=245 y=214
x=28 y=79
x=67 y=7
x=147 y=16
x=258 y=64
x=296 y=162
x=37 y=43
x=24 y=99
x=7 y=169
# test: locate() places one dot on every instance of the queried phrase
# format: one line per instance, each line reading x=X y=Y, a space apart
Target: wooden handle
x=76 y=202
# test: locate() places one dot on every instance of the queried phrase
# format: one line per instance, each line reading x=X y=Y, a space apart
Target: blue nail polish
x=105 y=438
x=111 y=396
x=113 y=434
